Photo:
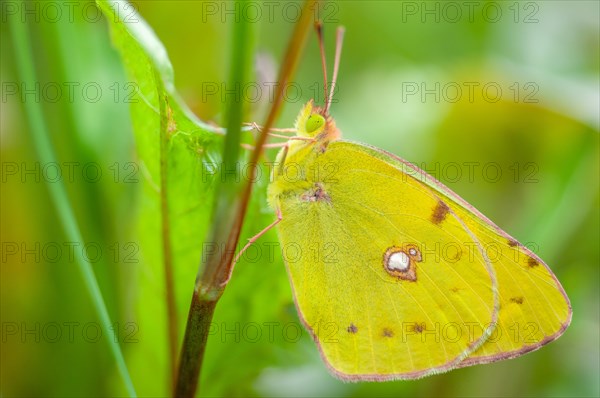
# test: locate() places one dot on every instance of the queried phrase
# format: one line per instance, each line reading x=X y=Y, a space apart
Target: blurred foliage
x=541 y=133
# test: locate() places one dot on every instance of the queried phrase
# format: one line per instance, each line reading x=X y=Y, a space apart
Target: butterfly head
x=313 y=122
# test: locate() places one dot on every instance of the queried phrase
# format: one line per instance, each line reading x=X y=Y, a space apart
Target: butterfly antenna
x=319 y=29
x=338 y=54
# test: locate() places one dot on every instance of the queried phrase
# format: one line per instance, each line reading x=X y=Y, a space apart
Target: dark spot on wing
x=418 y=327
x=454 y=290
x=439 y=212
x=352 y=328
x=516 y=300
x=513 y=243
x=453 y=254
x=387 y=332
x=532 y=262
x=316 y=194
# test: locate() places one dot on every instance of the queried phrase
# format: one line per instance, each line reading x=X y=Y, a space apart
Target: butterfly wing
x=392 y=275
x=534 y=308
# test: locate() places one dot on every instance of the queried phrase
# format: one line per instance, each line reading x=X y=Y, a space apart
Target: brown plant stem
x=228 y=218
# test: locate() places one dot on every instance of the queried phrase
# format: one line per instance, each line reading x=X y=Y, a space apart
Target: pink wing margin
x=439 y=187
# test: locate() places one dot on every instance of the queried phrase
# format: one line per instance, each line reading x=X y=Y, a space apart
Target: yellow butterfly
x=394 y=275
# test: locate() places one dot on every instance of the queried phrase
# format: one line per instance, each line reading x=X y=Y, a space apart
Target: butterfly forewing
x=393 y=275
x=534 y=308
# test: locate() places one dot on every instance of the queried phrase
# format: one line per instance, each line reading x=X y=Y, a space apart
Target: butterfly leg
x=278 y=144
x=275 y=145
x=287 y=137
x=257 y=236
x=256 y=127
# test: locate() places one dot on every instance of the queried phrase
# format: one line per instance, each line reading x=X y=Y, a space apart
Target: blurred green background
x=508 y=86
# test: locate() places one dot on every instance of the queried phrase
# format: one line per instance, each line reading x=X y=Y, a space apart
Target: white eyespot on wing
x=398 y=261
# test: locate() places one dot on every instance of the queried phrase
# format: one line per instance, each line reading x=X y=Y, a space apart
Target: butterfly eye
x=314 y=122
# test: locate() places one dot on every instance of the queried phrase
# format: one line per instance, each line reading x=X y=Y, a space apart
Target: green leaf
x=258 y=293
x=188 y=146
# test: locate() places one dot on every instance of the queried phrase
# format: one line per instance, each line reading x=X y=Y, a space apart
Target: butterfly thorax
x=293 y=174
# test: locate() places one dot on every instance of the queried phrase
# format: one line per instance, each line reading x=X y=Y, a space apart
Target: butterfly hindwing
x=392 y=276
